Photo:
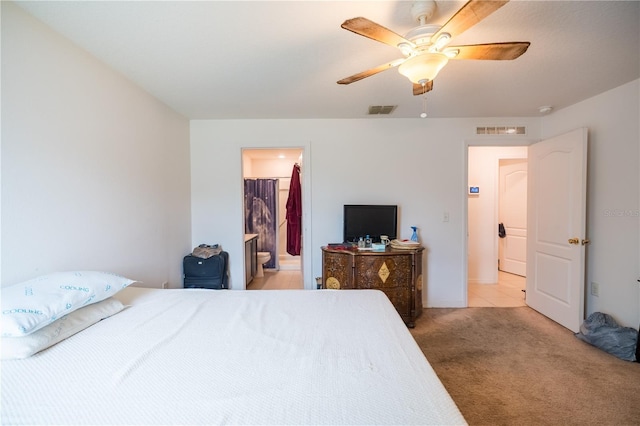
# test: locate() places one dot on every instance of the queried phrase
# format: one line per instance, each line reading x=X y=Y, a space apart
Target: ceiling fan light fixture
x=424 y=67
x=405 y=48
x=451 y=53
x=442 y=41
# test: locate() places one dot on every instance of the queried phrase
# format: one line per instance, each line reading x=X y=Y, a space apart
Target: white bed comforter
x=233 y=357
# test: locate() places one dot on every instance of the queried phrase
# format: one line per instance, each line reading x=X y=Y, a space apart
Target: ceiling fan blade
x=372 y=71
x=491 y=51
x=377 y=32
x=419 y=90
x=470 y=14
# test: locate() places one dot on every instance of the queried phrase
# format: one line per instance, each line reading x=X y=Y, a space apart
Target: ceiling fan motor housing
x=422 y=35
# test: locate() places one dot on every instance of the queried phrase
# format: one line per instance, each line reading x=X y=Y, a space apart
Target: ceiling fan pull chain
x=424 y=101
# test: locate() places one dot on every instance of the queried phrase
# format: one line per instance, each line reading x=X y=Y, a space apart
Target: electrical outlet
x=595 y=289
x=445 y=216
x=165 y=285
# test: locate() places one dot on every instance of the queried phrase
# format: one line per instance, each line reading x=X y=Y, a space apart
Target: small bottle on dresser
x=367 y=242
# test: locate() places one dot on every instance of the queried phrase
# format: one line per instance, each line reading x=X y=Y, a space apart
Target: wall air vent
x=501 y=130
x=381 y=109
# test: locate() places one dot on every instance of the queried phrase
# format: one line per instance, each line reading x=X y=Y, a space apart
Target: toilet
x=263 y=257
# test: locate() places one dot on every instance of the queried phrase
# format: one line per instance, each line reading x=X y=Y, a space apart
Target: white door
x=512 y=213
x=556 y=238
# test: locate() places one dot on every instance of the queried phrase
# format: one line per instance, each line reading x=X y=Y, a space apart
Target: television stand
x=397 y=272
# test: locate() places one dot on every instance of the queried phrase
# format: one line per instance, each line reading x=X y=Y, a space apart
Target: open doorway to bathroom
x=268 y=175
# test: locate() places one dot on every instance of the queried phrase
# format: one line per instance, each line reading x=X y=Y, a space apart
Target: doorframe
x=306 y=267
x=493 y=142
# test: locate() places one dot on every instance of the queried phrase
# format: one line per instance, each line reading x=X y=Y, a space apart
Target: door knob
x=574 y=241
x=585 y=241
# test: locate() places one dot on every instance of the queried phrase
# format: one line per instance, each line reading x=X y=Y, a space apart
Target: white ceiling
x=281 y=59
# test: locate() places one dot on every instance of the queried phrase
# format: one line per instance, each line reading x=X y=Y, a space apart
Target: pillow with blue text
x=60 y=329
x=33 y=304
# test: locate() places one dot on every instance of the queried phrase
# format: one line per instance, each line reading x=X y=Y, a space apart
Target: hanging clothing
x=294 y=213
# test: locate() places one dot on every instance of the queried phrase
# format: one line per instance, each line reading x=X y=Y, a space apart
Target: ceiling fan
x=426 y=47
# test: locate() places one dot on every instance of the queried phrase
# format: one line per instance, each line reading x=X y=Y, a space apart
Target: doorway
x=265 y=216
x=556 y=226
x=496 y=198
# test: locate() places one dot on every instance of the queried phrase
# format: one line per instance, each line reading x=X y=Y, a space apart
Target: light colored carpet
x=514 y=366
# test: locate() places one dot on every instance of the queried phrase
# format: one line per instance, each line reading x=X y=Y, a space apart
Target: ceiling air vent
x=501 y=130
x=381 y=109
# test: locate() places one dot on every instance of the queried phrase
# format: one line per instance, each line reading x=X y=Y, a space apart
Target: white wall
x=95 y=172
x=613 y=209
x=418 y=164
x=484 y=162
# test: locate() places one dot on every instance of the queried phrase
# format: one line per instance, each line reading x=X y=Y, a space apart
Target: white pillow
x=68 y=325
x=33 y=304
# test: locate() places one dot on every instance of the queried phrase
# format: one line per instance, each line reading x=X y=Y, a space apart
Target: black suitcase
x=206 y=273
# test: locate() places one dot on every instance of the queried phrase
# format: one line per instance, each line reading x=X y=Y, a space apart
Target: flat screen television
x=361 y=220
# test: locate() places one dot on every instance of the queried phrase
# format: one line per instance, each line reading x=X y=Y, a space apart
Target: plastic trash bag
x=602 y=331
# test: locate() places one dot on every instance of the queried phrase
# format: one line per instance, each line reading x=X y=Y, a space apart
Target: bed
x=192 y=356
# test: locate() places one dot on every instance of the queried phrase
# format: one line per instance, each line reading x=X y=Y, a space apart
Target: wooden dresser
x=397 y=272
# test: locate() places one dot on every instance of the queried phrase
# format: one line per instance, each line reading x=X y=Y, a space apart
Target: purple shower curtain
x=260 y=201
